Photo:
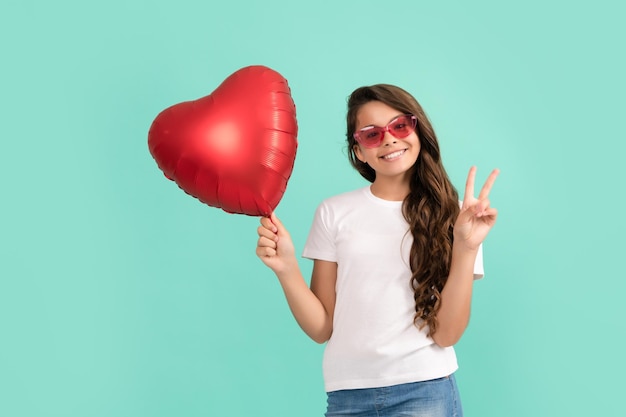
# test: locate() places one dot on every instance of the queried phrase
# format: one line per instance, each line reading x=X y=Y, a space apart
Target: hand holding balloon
x=275 y=247
x=235 y=148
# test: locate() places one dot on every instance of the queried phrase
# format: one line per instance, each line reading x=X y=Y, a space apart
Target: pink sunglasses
x=400 y=127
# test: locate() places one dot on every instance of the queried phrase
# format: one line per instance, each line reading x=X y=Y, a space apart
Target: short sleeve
x=479 y=270
x=320 y=243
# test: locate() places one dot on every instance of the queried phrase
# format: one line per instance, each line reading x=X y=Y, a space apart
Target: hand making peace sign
x=476 y=217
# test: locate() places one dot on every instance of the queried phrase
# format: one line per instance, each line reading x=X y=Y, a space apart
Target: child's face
x=394 y=156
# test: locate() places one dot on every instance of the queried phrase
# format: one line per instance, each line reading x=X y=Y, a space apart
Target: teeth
x=394 y=154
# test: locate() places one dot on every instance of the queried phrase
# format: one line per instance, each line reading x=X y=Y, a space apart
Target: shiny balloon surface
x=235 y=148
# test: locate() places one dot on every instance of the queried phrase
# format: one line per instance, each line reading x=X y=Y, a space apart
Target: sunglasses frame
x=357 y=135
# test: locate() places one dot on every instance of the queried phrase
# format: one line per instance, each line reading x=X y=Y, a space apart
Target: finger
x=266 y=222
x=469 y=185
x=484 y=192
x=481 y=207
x=266 y=233
x=490 y=216
x=264 y=242
x=278 y=224
x=491 y=212
x=264 y=252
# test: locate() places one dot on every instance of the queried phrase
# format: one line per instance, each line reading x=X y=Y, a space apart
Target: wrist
x=460 y=248
x=462 y=263
x=289 y=268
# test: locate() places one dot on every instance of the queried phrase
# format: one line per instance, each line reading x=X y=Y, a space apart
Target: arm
x=470 y=229
x=313 y=307
x=453 y=316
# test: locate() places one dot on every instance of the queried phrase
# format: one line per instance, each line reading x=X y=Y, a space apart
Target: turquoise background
x=122 y=296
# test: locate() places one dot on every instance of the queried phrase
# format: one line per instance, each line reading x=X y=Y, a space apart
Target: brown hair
x=431 y=208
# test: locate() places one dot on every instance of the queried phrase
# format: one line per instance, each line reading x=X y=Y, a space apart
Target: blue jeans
x=435 y=398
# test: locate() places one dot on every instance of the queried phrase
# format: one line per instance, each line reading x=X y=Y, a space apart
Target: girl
x=393 y=267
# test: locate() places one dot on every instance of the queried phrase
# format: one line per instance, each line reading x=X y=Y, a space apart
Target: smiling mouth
x=393 y=155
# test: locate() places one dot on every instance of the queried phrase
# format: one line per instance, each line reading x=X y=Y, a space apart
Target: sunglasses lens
x=401 y=127
x=370 y=137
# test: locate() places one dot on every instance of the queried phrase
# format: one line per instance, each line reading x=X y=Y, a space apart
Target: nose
x=389 y=139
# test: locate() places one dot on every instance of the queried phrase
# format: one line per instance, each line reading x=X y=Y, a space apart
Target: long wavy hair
x=431 y=208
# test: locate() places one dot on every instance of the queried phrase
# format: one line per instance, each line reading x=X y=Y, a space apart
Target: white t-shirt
x=374 y=341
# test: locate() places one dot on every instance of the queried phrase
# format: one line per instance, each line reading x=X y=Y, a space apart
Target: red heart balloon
x=235 y=148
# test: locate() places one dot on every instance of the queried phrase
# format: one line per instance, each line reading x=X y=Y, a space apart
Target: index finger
x=484 y=192
x=268 y=224
x=469 y=185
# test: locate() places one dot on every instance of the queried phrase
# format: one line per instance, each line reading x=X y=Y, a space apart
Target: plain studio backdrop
x=122 y=296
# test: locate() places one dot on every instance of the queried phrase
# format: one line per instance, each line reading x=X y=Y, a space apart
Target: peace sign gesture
x=476 y=217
